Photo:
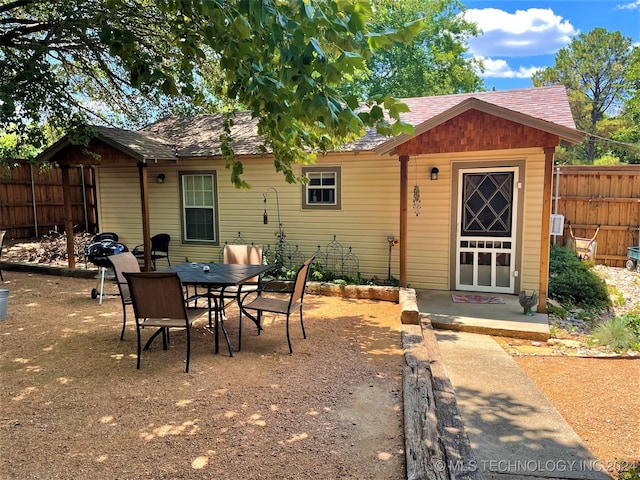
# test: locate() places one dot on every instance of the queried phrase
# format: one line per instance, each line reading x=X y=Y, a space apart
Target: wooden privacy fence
x=604 y=196
x=32 y=202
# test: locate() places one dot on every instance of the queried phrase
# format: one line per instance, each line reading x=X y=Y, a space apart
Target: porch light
x=434 y=173
x=160 y=178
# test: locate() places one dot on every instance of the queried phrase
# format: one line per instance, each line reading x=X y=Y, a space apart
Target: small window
x=323 y=189
x=199 y=207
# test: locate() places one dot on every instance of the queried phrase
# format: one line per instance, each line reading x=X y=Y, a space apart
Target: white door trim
x=486 y=263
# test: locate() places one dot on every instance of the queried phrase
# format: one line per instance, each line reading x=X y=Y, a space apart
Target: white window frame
x=213 y=207
x=336 y=171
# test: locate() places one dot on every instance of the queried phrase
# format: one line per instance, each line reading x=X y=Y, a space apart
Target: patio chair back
x=159 y=249
x=302 y=276
x=243 y=255
x=121 y=263
x=157 y=295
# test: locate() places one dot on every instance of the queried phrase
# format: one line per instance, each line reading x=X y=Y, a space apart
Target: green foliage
x=630 y=473
x=633 y=320
x=558 y=312
x=620 y=334
x=574 y=282
x=616 y=296
x=123 y=61
x=593 y=68
x=607 y=159
x=434 y=63
x=632 y=76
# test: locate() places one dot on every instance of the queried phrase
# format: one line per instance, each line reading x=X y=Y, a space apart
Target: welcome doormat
x=477 y=299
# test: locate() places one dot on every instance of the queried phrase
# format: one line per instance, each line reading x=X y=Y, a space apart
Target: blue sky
x=522 y=36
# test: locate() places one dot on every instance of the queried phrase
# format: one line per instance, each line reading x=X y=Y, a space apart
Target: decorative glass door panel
x=485 y=233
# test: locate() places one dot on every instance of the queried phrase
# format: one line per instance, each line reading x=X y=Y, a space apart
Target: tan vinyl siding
x=429 y=237
x=431 y=248
x=370 y=190
x=369 y=212
x=533 y=198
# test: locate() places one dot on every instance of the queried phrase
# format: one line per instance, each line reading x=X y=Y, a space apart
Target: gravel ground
x=73 y=404
x=331 y=410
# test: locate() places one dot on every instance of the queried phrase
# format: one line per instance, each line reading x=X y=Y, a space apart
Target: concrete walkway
x=514 y=431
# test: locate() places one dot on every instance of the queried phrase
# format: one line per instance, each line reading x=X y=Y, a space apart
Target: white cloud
x=498 y=68
x=531 y=32
x=629 y=6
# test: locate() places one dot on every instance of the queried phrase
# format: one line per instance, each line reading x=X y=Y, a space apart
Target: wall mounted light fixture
x=434 y=173
x=160 y=178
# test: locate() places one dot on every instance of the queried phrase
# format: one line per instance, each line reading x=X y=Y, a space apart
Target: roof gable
x=474 y=131
x=136 y=145
x=546 y=109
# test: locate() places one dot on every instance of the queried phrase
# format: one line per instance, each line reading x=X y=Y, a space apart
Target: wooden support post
x=545 y=237
x=404 y=182
x=68 y=219
x=144 y=206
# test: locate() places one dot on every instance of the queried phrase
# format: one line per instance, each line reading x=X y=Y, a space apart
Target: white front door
x=486 y=233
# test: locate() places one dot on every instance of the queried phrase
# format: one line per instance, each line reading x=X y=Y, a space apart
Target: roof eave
x=48 y=154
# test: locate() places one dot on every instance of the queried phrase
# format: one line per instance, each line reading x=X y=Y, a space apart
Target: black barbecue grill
x=98 y=252
x=102 y=246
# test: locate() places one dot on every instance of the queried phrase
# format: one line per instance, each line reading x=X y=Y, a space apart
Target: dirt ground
x=598 y=397
x=73 y=404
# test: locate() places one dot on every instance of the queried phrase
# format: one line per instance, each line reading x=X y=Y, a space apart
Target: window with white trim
x=199 y=207
x=322 y=191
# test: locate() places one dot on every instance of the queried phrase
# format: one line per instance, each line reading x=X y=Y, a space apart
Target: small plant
x=558 y=312
x=632 y=472
x=617 y=297
x=620 y=333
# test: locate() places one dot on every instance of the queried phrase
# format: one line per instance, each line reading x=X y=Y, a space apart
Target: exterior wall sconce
x=434 y=173
x=160 y=178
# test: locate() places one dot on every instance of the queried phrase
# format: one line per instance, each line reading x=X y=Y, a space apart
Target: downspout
x=404 y=182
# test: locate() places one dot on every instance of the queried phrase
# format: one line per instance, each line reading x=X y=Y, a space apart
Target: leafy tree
x=72 y=62
x=632 y=105
x=432 y=64
x=592 y=67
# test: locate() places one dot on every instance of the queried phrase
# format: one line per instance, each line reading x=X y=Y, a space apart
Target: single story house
x=462 y=204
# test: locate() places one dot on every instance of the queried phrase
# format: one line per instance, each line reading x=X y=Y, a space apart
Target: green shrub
x=558 y=312
x=572 y=281
x=633 y=320
x=618 y=333
x=632 y=472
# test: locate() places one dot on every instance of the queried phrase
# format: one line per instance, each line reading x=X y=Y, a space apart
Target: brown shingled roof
x=199 y=135
x=546 y=108
x=544 y=103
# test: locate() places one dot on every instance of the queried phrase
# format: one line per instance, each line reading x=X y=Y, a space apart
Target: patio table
x=213 y=276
